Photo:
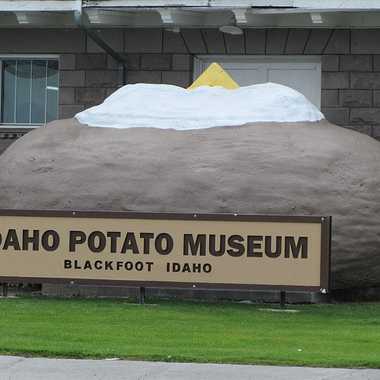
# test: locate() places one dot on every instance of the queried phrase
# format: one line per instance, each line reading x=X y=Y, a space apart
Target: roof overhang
x=190 y=13
x=198 y=17
x=39 y=13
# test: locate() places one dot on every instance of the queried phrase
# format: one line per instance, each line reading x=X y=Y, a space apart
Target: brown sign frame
x=325 y=266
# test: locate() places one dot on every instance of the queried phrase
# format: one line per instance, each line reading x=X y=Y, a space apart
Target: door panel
x=254 y=75
x=301 y=80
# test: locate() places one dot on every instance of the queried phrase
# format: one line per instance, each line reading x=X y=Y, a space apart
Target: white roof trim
x=145 y=3
x=76 y=5
x=192 y=13
x=308 y=4
x=40 y=5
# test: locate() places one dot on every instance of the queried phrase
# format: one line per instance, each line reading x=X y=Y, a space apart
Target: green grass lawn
x=346 y=335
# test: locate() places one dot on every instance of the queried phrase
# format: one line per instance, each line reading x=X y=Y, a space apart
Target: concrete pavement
x=19 y=368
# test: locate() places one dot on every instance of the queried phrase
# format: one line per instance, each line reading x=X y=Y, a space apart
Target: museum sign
x=166 y=250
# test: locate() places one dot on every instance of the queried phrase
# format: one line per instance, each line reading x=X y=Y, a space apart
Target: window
x=29 y=91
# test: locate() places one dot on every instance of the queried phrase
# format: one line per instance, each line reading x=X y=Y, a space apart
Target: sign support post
x=141 y=295
x=5 y=289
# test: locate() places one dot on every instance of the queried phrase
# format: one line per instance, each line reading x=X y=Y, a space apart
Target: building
x=58 y=57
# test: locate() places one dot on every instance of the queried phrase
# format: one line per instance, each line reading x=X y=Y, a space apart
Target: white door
x=301 y=73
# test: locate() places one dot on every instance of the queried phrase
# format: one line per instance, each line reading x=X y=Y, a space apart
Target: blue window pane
x=52 y=91
x=38 y=91
x=8 y=93
x=23 y=91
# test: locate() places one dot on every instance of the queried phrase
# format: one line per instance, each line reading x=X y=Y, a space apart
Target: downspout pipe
x=95 y=36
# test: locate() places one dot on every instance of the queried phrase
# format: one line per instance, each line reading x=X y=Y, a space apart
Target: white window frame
x=202 y=61
x=26 y=57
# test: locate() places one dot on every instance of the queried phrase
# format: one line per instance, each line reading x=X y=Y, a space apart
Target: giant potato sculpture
x=300 y=168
